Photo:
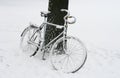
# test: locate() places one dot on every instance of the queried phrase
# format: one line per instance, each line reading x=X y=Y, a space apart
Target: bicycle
x=68 y=57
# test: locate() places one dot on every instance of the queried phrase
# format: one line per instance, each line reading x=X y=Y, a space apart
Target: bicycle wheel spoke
x=72 y=63
x=60 y=60
x=75 y=55
x=64 y=63
x=68 y=60
x=71 y=46
x=77 y=60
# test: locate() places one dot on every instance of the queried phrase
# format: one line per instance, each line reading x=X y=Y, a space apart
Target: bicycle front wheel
x=29 y=35
x=68 y=55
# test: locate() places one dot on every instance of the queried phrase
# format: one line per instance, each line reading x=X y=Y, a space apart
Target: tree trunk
x=55 y=17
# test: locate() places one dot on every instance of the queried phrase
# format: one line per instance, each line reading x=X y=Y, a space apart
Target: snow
x=97 y=26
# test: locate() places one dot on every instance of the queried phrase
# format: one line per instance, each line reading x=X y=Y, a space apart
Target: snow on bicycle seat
x=44 y=13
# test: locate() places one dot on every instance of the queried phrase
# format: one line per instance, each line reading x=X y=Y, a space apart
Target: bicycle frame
x=64 y=33
x=44 y=24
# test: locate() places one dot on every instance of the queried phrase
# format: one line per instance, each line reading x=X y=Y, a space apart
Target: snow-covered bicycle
x=67 y=53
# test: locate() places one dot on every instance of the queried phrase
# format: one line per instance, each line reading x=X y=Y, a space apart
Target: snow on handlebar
x=68 y=19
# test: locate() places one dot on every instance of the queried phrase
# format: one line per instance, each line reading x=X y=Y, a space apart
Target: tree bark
x=55 y=17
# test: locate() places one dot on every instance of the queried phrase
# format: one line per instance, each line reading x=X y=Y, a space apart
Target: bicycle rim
x=71 y=57
x=28 y=47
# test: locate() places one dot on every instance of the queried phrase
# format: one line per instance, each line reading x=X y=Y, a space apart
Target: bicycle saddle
x=44 y=14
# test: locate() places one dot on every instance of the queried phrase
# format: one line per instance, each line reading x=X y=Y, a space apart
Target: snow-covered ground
x=97 y=26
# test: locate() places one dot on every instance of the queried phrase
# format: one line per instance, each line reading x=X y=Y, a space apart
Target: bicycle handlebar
x=68 y=12
x=66 y=17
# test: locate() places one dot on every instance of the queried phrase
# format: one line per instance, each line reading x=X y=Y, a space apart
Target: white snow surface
x=97 y=26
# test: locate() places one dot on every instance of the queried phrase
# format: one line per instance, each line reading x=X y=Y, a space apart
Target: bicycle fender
x=24 y=31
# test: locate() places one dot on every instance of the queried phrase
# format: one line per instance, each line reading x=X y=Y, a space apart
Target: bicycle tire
x=59 y=56
x=25 y=37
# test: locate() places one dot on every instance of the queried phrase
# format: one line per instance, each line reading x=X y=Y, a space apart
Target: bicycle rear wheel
x=69 y=57
x=30 y=33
